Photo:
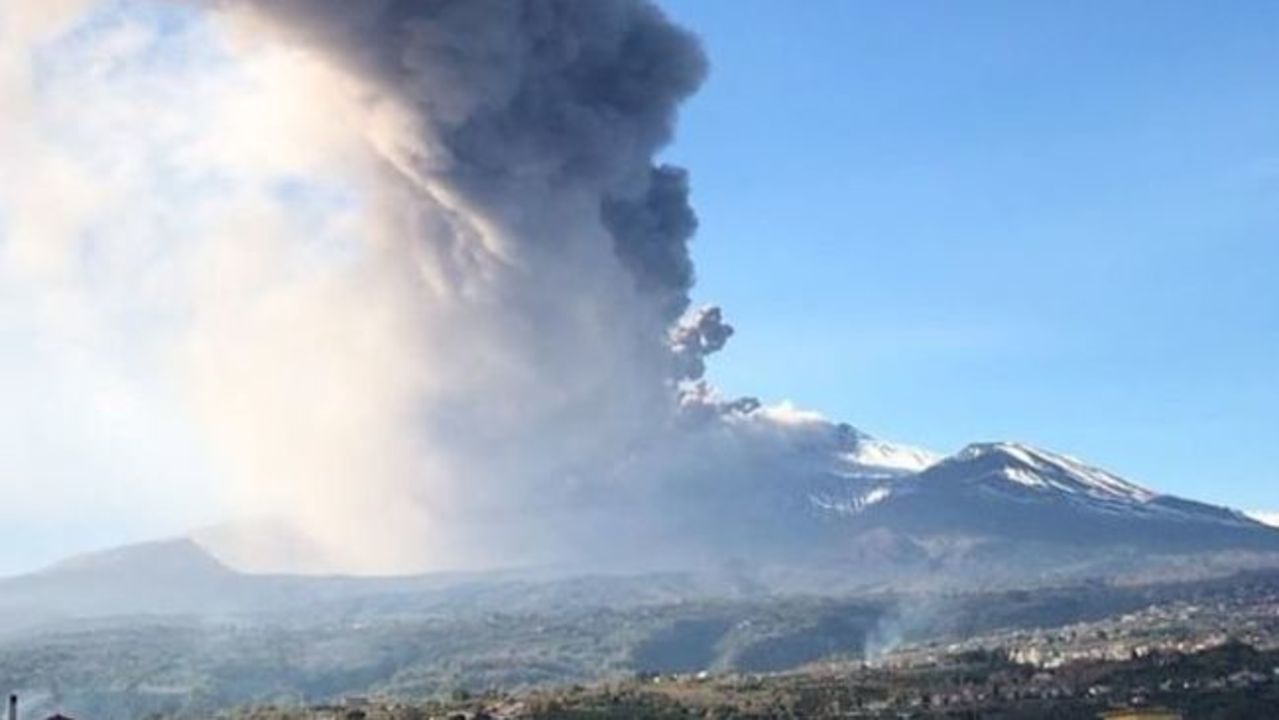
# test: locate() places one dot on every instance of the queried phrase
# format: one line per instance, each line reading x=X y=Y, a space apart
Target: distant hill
x=167 y=577
x=179 y=578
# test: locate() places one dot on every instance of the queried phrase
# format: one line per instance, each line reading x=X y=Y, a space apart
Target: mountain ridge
x=850 y=512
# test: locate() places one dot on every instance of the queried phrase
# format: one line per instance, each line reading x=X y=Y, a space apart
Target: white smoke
x=402 y=273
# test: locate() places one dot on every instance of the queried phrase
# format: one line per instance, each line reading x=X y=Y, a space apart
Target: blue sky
x=1052 y=222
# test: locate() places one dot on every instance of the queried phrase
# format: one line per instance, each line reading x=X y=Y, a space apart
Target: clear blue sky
x=1053 y=222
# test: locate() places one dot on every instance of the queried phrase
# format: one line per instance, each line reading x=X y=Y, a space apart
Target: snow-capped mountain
x=1012 y=491
x=1048 y=473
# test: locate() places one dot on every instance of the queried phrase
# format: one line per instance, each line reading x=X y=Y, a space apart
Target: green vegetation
x=957 y=647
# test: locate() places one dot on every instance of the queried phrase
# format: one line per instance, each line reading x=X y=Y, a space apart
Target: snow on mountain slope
x=1041 y=470
x=814 y=440
x=862 y=470
x=1265 y=518
x=1025 y=474
x=870 y=456
x=851 y=503
x=1013 y=469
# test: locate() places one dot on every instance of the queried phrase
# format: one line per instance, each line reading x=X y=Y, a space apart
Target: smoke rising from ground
x=402 y=272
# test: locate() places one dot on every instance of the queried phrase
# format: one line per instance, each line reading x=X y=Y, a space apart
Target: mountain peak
x=175 y=557
x=1044 y=471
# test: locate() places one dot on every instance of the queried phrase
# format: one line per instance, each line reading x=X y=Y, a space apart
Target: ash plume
x=537 y=251
x=697 y=336
x=409 y=268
